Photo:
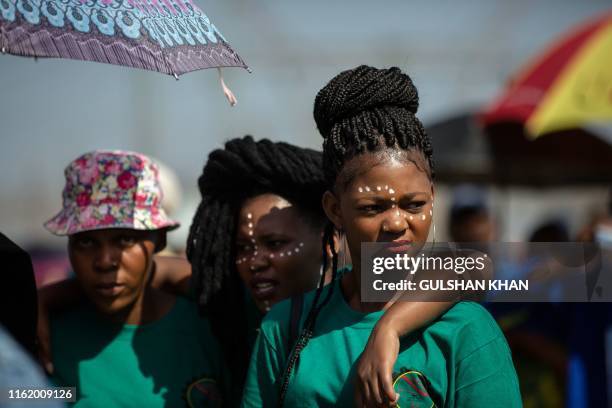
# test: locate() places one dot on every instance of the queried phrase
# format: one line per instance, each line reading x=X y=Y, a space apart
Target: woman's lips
x=399 y=246
x=109 y=289
x=263 y=288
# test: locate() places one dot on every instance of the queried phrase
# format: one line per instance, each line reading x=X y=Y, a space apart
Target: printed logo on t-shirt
x=203 y=392
x=413 y=388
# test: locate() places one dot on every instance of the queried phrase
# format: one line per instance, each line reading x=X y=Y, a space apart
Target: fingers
x=368 y=392
x=44 y=355
x=44 y=342
x=366 y=395
x=375 y=399
x=359 y=391
x=385 y=382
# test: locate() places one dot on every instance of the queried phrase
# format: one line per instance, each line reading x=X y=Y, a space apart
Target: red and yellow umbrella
x=564 y=93
x=568 y=86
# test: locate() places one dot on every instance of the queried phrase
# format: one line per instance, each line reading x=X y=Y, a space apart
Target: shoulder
x=275 y=326
x=187 y=307
x=186 y=311
x=468 y=314
x=79 y=315
x=470 y=327
x=279 y=316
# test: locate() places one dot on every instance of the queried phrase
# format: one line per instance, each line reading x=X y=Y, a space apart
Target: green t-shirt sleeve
x=484 y=373
x=487 y=378
x=267 y=361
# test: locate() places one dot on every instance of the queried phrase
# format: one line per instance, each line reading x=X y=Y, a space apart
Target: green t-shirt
x=172 y=362
x=463 y=355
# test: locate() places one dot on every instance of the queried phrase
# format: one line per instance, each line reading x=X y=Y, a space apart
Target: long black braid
x=311 y=318
x=361 y=110
x=244 y=169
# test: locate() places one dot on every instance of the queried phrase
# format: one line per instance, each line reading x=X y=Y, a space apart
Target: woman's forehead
x=107 y=233
x=277 y=221
x=256 y=207
x=268 y=214
x=369 y=165
x=393 y=176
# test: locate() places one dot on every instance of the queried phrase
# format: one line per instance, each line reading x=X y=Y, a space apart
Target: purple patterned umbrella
x=169 y=36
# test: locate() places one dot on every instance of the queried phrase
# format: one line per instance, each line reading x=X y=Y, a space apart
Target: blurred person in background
x=590 y=344
x=18 y=299
x=18 y=313
x=470 y=220
x=599 y=228
x=18 y=371
x=538 y=332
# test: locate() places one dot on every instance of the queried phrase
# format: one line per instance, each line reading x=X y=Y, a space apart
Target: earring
x=434 y=232
x=433 y=222
x=385 y=228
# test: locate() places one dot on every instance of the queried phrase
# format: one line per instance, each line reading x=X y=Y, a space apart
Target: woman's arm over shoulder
x=172 y=274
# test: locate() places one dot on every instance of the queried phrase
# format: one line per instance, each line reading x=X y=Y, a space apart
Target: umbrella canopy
x=463 y=152
x=168 y=36
x=567 y=86
x=552 y=124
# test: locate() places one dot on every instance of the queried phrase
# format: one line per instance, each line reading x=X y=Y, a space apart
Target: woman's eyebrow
x=273 y=235
x=411 y=195
x=379 y=195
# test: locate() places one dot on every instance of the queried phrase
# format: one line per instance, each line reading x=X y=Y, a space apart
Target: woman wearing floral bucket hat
x=128 y=344
x=111 y=189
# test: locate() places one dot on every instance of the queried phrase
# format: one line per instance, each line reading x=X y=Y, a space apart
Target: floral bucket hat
x=111 y=189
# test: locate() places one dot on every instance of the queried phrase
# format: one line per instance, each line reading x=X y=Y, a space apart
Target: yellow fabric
x=582 y=93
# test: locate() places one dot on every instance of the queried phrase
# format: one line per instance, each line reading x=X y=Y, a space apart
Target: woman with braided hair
x=378 y=167
x=259 y=226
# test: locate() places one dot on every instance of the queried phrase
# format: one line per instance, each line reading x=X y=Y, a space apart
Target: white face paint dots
x=392 y=196
x=291 y=252
x=250 y=233
x=271 y=255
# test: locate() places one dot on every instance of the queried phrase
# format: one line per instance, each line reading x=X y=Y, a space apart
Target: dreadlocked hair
x=361 y=110
x=244 y=169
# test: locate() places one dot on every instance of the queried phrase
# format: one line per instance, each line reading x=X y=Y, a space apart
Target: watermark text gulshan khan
x=466 y=270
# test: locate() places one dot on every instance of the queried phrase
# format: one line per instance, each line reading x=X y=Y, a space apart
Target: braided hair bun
x=368 y=109
x=363 y=89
